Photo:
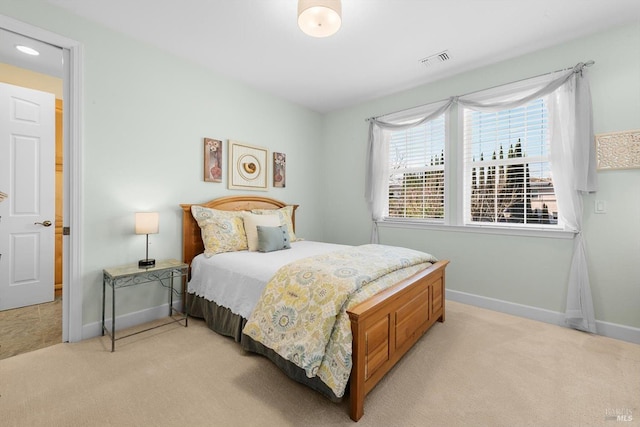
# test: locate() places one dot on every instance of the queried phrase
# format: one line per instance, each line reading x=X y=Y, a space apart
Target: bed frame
x=384 y=327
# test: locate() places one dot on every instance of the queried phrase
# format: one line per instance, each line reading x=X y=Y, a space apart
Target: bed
x=383 y=326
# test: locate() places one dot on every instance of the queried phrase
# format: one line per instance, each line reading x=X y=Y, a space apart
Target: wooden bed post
x=356 y=392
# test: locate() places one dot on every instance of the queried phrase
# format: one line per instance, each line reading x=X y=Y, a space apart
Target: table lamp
x=147 y=223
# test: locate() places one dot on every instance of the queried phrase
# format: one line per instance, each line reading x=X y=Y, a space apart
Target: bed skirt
x=221 y=320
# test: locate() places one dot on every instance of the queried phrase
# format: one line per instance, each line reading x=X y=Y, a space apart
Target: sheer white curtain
x=377 y=179
x=573 y=168
x=572 y=160
x=377 y=182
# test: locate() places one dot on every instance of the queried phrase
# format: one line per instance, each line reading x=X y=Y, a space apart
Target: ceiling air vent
x=436 y=58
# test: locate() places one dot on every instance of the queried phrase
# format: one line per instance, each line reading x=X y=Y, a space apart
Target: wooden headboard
x=192 y=239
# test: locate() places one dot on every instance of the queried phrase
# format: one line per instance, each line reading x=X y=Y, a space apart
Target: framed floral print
x=247 y=167
x=279 y=170
x=212 y=160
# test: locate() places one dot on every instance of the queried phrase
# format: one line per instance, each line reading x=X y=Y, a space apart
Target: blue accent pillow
x=273 y=238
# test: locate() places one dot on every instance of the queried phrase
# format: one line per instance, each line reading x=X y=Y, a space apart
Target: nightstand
x=164 y=272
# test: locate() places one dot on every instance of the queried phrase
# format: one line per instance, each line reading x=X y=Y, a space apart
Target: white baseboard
x=620 y=332
x=130 y=319
x=611 y=330
x=607 y=329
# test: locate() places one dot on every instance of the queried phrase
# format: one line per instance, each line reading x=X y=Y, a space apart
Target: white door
x=27 y=176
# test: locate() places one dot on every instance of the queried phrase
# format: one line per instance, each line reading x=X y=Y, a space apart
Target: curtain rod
x=588 y=63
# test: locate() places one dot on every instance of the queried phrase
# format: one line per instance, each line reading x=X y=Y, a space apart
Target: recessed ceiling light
x=28 y=50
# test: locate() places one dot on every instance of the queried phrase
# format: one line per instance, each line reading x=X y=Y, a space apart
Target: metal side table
x=164 y=272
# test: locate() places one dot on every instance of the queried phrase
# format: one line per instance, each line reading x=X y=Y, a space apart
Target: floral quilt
x=302 y=312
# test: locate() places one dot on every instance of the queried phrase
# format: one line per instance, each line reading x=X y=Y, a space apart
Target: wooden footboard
x=387 y=325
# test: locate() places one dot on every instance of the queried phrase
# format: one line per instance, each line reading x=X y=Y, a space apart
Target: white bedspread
x=236 y=279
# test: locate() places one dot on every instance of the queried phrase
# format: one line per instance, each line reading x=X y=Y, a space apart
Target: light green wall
x=145 y=114
x=524 y=270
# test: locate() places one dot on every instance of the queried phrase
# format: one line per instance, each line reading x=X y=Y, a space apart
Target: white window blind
x=416 y=166
x=506 y=167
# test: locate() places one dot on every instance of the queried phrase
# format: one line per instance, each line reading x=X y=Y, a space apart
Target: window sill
x=527 y=232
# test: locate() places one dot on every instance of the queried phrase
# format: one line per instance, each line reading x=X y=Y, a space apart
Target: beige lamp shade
x=147 y=222
x=319 y=18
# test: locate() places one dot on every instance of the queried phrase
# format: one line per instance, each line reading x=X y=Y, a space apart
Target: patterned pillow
x=222 y=231
x=285 y=214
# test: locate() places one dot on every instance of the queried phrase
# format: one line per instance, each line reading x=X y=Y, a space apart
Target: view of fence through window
x=507 y=169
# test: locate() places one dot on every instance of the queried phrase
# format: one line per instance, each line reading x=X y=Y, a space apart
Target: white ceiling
x=376 y=52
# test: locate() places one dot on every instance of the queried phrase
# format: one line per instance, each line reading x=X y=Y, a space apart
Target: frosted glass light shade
x=147 y=222
x=319 y=18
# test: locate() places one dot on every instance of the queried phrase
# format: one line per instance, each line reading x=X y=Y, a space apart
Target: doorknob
x=45 y=223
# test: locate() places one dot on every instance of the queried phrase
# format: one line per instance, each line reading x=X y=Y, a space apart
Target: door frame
x=72 y=292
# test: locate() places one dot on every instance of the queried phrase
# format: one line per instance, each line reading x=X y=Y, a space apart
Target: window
x=416 y=172
x=507 y=174
x=498 y=172
x=484 y=166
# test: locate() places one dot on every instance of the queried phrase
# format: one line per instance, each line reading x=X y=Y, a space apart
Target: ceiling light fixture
x=319 y=18
x=28 y=50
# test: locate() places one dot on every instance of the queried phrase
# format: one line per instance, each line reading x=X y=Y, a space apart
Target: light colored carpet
x=479 y=368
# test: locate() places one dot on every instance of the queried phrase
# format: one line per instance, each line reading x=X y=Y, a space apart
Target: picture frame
x=212 y=160
x=247 y=167
x=279 y=170
x=618 y=150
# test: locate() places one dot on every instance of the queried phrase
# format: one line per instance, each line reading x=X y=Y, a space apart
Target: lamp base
x=146 y=263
